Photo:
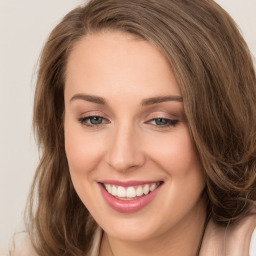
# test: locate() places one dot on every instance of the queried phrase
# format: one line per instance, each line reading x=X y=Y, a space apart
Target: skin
x=131 y=144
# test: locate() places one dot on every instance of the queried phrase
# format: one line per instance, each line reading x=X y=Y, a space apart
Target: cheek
x=83 y=151
x=185 y=181
x=176 y=154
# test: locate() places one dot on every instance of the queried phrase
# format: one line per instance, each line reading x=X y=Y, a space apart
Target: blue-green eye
x=92 y=120
x=163 y=122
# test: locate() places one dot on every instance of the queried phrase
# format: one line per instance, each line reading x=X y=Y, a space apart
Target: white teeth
x=109 y=189
x=114 y=191
x=130 y=192
x=121 y=192
x=153 y=187
x=139 y=191
x=146 y=189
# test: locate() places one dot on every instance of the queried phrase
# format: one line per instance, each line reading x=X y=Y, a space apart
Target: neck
x=183 y=239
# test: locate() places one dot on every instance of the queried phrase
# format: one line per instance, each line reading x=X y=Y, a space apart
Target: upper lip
x=128 y=183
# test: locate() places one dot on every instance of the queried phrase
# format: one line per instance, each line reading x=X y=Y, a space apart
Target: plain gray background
x=24 y=27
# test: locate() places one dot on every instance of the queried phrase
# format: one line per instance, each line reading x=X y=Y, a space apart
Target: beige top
x=237 y=240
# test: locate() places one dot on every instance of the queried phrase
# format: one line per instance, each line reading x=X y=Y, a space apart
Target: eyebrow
x=90 y=98
x=156 y=100
x=145 y=102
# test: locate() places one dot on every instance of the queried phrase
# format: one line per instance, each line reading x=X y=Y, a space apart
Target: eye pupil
x=96 y=120
x=161 y=121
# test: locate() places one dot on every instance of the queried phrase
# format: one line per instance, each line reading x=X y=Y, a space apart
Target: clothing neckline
x=213 y=242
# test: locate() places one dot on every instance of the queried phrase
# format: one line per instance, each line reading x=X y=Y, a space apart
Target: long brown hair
x=214 y=69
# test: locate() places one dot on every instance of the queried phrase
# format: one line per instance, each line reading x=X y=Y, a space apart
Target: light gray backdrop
x=24 y=26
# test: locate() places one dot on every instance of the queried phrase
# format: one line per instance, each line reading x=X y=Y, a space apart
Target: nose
x=125 y=152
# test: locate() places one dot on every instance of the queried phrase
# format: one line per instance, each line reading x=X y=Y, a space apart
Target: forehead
x=117 y=61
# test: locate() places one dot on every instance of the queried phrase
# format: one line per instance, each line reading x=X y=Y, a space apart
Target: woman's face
x=126 y=132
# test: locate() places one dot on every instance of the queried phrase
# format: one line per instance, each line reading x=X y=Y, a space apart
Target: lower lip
x=128 y=206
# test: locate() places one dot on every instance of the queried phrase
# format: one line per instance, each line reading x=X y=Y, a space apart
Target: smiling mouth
x=131 y=192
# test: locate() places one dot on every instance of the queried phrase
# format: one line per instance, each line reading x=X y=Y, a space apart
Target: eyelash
x=168 y=122
x=84 y=121
x=87 y=121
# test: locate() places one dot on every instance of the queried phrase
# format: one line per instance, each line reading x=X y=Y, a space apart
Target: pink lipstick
x=129 y=197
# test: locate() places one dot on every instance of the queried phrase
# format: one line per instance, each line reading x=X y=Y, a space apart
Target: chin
x=132 y=234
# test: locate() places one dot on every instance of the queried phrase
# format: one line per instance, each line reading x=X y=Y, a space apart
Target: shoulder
x=233 y=240
x=239 y=236
x=21 y=245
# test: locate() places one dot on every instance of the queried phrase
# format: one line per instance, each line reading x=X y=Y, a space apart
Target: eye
x=163 y=122
x=93 y=121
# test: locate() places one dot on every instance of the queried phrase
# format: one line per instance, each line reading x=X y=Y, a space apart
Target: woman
x=145 y=115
